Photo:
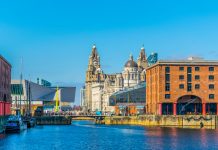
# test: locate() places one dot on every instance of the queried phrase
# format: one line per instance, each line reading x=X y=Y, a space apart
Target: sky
x=54 y=37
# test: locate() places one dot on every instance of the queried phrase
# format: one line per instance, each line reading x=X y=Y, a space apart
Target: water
x=83 y=135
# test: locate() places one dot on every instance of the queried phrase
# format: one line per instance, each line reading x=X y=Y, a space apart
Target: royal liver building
x=100 y=86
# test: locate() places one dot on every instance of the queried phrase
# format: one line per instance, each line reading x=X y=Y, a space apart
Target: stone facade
x=99 y=86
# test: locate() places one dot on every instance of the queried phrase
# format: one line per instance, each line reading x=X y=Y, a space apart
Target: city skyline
x=54 y=39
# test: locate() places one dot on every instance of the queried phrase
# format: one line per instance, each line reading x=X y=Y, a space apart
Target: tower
x=93 y=69
x=142 y=61
x=94 y=64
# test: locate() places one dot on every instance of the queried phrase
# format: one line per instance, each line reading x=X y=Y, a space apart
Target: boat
x=15 y=124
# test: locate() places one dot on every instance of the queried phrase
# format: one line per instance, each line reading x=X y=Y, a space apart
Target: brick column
x=160 y=108
x=1 y=109
x=174 y=108
x=203 y=108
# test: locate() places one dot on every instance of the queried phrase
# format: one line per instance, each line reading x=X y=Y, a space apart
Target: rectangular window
x=167 y=78
x=189 y=78
x=167 y=96
x=181 y=86
x=181 y=68
x=211 y=96
x=211 y=68
x=197 y=77
x=211 y=77
x=189 y=69
x=167 y=87
x=189 y=87
x=197 y=86
x=181 y=77
x=167 y=69
x=211 y=86
x=197 y=68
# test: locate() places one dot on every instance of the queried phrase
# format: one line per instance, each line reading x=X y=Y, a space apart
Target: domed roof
x=131 y=62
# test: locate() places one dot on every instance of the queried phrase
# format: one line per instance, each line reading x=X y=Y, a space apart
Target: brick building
x=5 y=87
x=182 y=87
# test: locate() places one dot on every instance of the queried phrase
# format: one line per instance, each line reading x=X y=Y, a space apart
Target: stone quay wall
x=180 y=121
x=53 y=120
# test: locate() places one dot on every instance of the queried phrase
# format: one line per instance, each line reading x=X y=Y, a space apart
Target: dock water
x=3 y=120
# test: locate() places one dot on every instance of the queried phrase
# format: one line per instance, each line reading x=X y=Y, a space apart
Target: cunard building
x=99 y=86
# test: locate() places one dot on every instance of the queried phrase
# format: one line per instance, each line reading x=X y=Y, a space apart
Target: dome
x=131 y=62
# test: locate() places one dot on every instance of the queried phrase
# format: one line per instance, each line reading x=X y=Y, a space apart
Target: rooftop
x=2 y=58
x=188 y=61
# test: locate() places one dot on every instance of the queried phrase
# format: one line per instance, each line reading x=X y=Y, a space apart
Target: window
x=167 y=69
x=189 y=69
x=197 y=69
x=189 y=87
x=181 y=77
x=167 y=96
x=167 y=87
x=189 y=78
x=181 y=68
x=211 y=86
x=167 y=77
x=197 y=77
x=181 y=86
x=197 y=86
x=211 y=77
x=211 y=96
x=211 y=68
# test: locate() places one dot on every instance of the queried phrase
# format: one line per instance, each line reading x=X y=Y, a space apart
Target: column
x=174 y=109
x=160 y=108
x=1 y=108
x=203 y=108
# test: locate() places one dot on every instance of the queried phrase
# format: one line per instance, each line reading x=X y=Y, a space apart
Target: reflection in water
x=2 y=136
x=86 y=135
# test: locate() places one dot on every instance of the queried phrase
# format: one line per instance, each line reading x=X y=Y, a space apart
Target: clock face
x=95 y=63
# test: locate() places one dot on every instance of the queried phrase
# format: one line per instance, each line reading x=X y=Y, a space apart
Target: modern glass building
x=130 y=101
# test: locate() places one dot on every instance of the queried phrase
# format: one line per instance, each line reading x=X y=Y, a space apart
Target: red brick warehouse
x=182 y=87
x=5 y=87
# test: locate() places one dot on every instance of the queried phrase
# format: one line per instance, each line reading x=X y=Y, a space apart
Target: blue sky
x=55 y=37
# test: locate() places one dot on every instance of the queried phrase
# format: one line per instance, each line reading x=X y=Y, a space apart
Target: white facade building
x=100 y=86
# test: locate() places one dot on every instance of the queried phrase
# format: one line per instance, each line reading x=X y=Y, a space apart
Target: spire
x=94 y=52
x=142 y=61
x=142 y=48
x=130 y=57
x=94 y=59
x=93 y=47
x=142 y=55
